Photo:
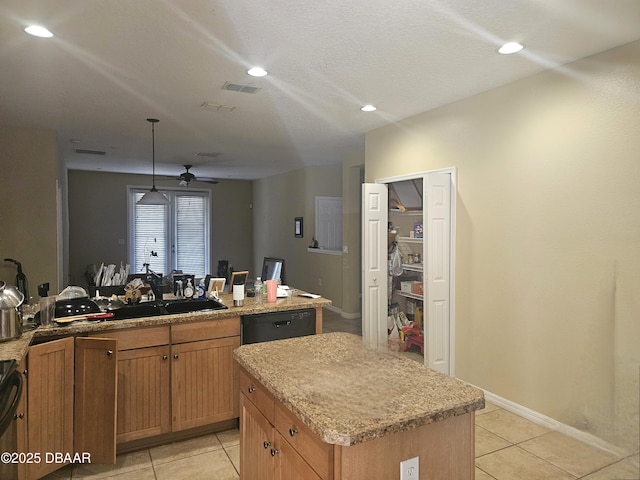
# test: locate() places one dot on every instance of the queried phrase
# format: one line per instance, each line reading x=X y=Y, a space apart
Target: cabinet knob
x=19 y=415
x=251 y=389
x=109 y=353
x=274 y=452
x=293 y=431
x=175 y=356
x=24 y=372
x=267 y=444
x=164 y=357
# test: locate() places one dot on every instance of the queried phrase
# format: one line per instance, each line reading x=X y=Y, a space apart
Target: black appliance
x=10 y=392
x=264 y=327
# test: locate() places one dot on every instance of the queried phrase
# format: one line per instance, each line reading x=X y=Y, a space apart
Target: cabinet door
x=95 y=398
x=256 y=443
x=143 y=393
x=289 y=464
x=204 y=382
x=50 y=402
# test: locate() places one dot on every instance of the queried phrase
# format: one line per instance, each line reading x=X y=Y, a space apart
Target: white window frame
x=170 y=193
x=334 y=224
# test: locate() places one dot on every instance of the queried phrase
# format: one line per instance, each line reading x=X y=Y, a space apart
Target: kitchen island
x=329 y=407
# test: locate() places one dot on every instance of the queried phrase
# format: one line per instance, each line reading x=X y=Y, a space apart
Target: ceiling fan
x=187 y=177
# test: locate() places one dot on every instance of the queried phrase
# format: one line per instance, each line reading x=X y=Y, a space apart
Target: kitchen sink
x=170 y=307
x=137 y=311
x=186 y=306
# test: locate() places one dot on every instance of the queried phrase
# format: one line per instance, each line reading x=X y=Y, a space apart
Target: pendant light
x=153 y=196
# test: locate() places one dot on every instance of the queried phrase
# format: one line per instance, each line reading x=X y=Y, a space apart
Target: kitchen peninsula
x=329 y=407
x=108 y=386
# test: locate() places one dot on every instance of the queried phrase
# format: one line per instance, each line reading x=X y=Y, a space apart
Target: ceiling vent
x=236 y=87
x=90 y=152
x=217 y=107
x=207 y=154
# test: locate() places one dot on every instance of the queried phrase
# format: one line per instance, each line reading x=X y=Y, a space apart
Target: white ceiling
x=114 y=63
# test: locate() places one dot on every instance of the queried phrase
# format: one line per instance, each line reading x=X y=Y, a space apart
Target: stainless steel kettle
x=10 y=320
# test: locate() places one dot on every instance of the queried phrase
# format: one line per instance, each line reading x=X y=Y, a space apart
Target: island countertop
x=347 y=393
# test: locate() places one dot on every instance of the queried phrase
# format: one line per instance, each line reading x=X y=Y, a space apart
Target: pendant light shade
x=153 y=196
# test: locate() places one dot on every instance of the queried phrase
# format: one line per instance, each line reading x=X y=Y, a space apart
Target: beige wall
x=352 y=176
x=98 y=220
x=29 y=164
x=277 y=201
x=548 y=236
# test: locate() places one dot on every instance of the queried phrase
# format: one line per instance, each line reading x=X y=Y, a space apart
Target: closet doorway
x=416 y=215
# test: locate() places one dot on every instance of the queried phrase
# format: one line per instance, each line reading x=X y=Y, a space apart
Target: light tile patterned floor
x=508 y=447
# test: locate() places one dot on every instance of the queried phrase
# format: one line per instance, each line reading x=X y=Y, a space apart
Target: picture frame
x=297 y=227
x=238 y=278
x=215 y=284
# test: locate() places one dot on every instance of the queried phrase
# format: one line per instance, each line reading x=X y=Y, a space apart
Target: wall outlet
x=410 y=469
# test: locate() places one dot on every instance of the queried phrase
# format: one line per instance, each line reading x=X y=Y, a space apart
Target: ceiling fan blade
x=213 y=181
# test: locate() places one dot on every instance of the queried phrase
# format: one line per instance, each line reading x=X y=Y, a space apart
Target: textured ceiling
x=112 y=64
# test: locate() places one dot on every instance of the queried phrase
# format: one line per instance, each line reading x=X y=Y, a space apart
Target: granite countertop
x=16 y=349
x=348 y=393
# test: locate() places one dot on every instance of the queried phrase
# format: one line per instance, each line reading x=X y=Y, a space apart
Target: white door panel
x=374 y=263
x=437 y=274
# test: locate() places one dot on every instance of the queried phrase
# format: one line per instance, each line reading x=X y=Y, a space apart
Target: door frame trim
x=453 y=171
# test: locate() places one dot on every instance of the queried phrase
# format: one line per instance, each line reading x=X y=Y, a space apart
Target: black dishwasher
x=264 y=327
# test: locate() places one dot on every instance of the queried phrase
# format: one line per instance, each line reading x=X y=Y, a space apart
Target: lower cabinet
x=172 y=378
x=143 y=385
x=204 y=386
x=51 y=387
x=267 y=448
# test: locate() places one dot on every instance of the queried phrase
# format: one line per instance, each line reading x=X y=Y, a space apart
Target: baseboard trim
x=348 y=316
x=552 y=424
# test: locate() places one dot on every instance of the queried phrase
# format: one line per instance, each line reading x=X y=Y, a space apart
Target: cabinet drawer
x=207 y=330
x=317 y=453
x=132 y=338
x=257 y=394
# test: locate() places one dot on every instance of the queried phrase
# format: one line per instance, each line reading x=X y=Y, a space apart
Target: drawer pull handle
x=267 y=444
x=251 y=389
x=109 y=353
x=164 y=357
x=175 y=356
x=19 y=415
x=274 y=452
x=293 y=431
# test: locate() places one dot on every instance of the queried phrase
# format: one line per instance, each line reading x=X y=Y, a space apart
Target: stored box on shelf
x=411 y=287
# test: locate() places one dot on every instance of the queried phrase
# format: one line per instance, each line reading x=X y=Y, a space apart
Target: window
x=170 y=237
x=329 y=223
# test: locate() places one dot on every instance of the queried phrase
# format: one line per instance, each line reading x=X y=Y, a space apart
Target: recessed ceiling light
x=257 y=72
x=368 y=108
x=509 y=48
x=38 y=31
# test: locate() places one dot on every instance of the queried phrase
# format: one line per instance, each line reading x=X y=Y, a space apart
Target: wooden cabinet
x=143 y=385
x=272 y=444
x=173 y=378
x=256 y=459
x=204 y=377
x=58 y=371
x=96 y=361
x=143 y=393
x=50 y=402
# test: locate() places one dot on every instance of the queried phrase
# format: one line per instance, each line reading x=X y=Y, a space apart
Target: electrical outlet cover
x=410 y=469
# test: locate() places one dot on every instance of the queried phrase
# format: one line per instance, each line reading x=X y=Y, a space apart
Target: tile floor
x=508 y=447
